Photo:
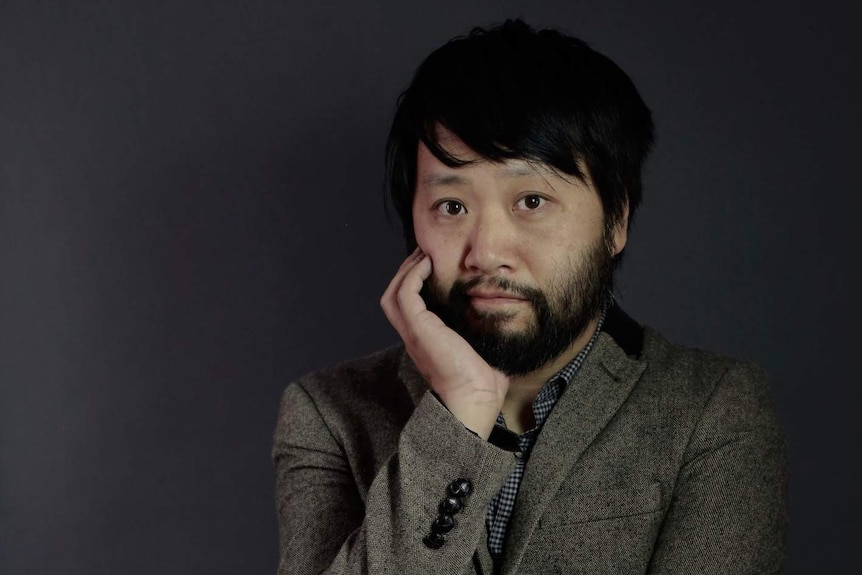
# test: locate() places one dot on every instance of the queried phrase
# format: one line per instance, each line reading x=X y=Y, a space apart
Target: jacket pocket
x=626 y=501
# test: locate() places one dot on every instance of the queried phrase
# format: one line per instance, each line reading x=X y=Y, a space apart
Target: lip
x=491 y=299
x=493 y=295
x=496 y=302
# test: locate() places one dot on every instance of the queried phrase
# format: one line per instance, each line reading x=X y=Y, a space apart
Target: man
x=527 y=424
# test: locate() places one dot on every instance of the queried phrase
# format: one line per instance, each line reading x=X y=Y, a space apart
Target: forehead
x=432 y=173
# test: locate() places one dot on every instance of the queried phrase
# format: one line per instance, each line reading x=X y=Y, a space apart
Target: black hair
x=511 y=92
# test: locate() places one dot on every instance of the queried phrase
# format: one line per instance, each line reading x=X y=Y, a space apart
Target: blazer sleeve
x=728 y=510
x=324 y=525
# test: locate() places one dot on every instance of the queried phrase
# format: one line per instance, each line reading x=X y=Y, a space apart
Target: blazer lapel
x=587 y=405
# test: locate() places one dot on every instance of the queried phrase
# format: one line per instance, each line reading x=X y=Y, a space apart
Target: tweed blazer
x=656 y=459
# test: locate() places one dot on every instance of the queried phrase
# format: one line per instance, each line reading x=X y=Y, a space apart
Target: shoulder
x=360 y=389
x=698 y=368
x=671 y=368
x=357 y=371
x=694 y=382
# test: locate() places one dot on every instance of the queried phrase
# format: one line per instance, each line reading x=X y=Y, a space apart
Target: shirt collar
x=570 y=369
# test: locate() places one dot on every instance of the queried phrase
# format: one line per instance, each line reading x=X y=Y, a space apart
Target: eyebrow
x=454 y=179
x=435 y=180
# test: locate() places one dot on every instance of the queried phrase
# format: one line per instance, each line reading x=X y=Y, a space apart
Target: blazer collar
x=625 y=331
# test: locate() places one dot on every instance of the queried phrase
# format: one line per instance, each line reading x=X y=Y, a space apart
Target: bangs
x=503 y=101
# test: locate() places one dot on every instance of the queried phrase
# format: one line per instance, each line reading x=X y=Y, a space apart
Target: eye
x=451 y=208
x=531 y=202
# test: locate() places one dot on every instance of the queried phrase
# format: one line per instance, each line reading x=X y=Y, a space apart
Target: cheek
x=420 y=232
x=444 y=259
x=443 y=249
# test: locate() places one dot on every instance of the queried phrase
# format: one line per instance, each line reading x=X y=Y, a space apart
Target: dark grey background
x=191 y=216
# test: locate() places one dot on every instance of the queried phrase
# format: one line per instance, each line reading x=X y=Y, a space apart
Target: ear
x=621 y=231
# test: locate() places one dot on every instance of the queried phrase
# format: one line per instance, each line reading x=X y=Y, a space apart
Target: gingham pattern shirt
x=501 y=506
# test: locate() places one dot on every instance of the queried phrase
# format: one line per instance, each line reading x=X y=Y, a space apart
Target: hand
x=471 y=389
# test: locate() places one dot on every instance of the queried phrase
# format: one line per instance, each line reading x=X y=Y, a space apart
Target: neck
x=523 y=389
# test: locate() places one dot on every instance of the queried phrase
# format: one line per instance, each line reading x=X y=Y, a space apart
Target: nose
x=491 y=244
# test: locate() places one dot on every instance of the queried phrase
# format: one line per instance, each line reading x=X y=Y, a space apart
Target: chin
x=507 y=325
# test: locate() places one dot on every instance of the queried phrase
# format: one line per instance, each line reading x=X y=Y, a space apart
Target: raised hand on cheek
x=472 y=390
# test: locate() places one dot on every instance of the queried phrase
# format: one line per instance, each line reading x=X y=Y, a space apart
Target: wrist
x=478 y=419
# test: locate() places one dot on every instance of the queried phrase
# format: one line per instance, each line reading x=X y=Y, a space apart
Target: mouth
x=494 y=298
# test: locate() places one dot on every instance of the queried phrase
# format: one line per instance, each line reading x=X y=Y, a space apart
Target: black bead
x=460 y=488
x=443 y=524
x=434 y=540
x=449 y=506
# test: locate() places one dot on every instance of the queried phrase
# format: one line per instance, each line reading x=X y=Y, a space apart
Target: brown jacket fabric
x=657 y=459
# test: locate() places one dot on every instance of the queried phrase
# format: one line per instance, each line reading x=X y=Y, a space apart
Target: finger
x=405 y=266
x=388 y=297
x=403 y=303
x=388 y=300
x=408 y=297
x=410 y=260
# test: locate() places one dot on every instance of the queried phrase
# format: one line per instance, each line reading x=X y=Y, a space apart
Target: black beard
x=559 y=319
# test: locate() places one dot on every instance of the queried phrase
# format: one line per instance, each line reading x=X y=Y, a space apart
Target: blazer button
x=434 y=540
x=443 y=524
x=460 y=488
x=449 y=506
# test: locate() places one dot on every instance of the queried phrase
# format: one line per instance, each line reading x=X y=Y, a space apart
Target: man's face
x=522 y=260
